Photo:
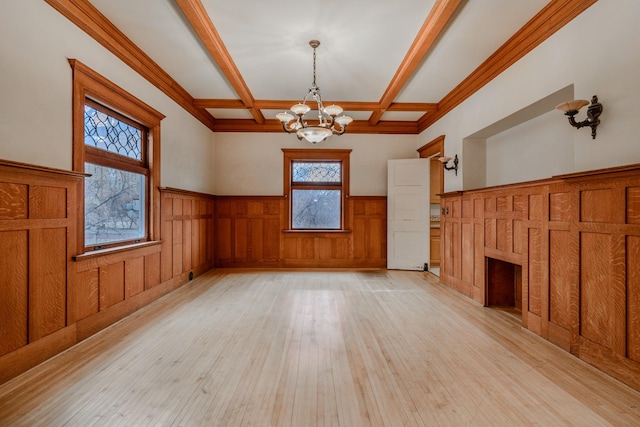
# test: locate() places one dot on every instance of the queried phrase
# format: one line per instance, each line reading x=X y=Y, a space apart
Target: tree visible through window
x=317 y=187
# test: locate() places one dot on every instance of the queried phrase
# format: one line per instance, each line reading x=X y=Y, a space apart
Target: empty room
x=242 y=213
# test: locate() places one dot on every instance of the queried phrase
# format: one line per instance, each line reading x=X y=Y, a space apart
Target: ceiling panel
x=368 y=51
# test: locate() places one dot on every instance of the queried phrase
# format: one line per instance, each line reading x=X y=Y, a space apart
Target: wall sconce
x=446 y=159
x=593 y=112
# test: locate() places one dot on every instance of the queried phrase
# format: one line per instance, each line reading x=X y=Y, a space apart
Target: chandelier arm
x=291 y=129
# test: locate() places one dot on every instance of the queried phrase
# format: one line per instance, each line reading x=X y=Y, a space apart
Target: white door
x=408 y=214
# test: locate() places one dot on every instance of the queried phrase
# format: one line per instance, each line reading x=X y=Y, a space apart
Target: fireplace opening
x=504 y=285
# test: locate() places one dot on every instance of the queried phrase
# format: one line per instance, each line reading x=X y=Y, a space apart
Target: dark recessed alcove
x=504 y=284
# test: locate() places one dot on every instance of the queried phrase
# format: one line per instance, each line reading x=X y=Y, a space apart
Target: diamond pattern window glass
x=317 y=172
x=108 y=132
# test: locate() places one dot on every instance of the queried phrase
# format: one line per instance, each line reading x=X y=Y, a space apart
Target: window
x=116 y=142
x=116 y=192
x=317 y=186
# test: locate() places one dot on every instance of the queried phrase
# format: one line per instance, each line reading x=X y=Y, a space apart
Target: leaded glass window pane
x=106 y=132
x=317 y=172
x=316 y=209
x=114 y=205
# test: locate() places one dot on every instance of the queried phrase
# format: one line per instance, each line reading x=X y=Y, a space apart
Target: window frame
x=316 y=156
x=94 y=88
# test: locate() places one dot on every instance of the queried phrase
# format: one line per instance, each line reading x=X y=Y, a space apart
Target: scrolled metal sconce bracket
x=445 y=160
x=571 y=108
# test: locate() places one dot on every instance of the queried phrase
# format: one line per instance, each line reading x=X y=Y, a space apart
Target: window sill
x=317 y=232
x=111 y=251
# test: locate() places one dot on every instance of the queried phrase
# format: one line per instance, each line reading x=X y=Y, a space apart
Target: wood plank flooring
x=316 y=348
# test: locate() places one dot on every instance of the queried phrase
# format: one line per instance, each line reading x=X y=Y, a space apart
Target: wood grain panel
x=14 y=297
x=272 y=230
x=47 y=202
x=478 y=205
x=166 y=267
x=519 y=237
x=535 y=271
x=490 y=233
x=256 y=235
x=13 y=200
x=596 y=314
x=478 y=263
x=633 y=205
x=536 y=207
x=490 y=204
x=520 y=203
x=467 y=261
x=87 y=293
x=224 y=240
x=467 y=208
x=560 y=206
x=111 y=285
x=377 y=233
x=633 y=296
x=177 y=254
x=187 y=245
x=134 y=276
x=561 y=277
x=600 y=205
x=177 y=206
x=151 y=270
x=241 y=238
x=503 y=204
x=504 y=235
x=47 y=281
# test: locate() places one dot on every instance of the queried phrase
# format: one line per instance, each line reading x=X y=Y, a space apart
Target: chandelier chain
x=314 y=67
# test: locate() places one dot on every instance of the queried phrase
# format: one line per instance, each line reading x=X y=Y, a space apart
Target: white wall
x=252 y=163
x=597 y=53
x=36 y=89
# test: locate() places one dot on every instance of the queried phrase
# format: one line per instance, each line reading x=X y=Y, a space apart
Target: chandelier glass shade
x=330 y=120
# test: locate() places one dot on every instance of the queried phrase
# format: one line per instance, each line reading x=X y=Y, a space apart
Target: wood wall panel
x=87 y=293
x=504 y=235
x=151 y=270
x=521 y=203
x=467 y=254
x=633 y=295
x=600 y=205
x=561 y=277
x=535 y=272
x=14 y=290
x=47 y=281
x=633 y=205
x=13 y=200
x=560 y=206
x=596 y=315
x=47 y=202
x=134 y=276
x=251 y=232
x=536 y=207
x=112 y=284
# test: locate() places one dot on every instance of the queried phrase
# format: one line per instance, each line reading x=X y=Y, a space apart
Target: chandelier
x=329 y=121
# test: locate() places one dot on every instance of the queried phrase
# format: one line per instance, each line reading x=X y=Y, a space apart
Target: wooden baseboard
x=21 y=360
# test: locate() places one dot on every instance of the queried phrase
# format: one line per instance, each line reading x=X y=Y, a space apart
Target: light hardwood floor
x=326 y=348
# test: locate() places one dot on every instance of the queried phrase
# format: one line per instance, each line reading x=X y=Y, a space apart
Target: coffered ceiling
x=395 y=66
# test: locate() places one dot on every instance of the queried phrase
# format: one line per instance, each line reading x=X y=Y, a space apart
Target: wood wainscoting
x=576 y=238
x=251 y=232
x=51 y=295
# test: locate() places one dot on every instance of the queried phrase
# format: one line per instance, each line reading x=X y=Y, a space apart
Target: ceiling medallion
x=329 y=121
